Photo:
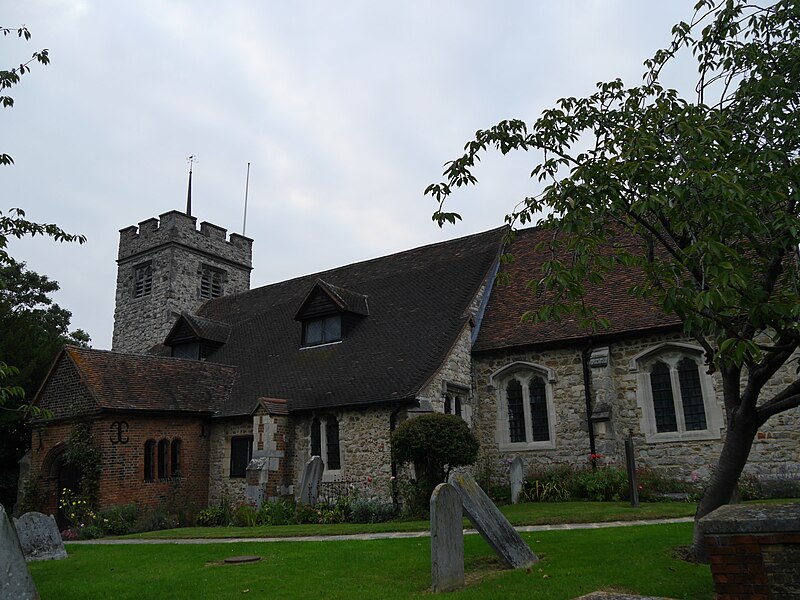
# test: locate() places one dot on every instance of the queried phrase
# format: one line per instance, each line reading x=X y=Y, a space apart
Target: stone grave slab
x=447 y=539
x=492 y=524
x=310 y=481
x=15 y=579
x=39 y=537
x=517 y=479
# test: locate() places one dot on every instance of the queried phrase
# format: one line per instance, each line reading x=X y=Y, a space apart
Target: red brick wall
x=748 y=566
x=122 y=478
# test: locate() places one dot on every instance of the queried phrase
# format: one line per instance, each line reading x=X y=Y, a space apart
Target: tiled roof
x=418 y=303
x=205 y=329
x=153 y=383
x=502 y=326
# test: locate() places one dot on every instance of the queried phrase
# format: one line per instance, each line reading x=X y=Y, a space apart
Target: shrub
x=553 y=484
x=603 y=484
x=371 y=510
x=244 y=515
x=155 y=520
x=213 y=516
x=90 y=532
x=118 y=520
x=435 y=443
x=278 y=512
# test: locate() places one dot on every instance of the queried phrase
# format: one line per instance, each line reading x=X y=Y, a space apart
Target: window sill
x=682 y=436
x=526 y=446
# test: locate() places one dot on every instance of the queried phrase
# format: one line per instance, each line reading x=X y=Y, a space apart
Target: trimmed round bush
x=436 y=443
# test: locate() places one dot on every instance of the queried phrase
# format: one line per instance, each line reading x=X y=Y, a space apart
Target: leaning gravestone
x=39 y=537
x=491 y=523
x=15 y=580
x=517 y=477
x=309 y=482
x=447 y=539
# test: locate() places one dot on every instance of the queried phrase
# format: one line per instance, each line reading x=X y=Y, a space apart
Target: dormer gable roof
x=325 y=298
x=191 y=327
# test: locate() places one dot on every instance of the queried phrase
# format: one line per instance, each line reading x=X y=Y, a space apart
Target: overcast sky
x=346 y=111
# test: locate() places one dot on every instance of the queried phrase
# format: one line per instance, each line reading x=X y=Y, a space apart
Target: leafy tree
x=23 y=299
x=705 y=192
x=32 y=330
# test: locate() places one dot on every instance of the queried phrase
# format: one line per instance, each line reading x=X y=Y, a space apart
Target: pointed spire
x=191 y=160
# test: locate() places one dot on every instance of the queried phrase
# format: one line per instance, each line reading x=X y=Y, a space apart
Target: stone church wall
x=177 y=252
x=365 y=450
x=221 y=486
x=775 y=453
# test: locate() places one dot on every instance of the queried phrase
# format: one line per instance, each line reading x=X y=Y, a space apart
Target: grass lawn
x=537 y=513
x=636 y=559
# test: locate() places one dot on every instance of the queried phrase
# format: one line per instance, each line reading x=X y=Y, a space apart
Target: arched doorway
x=67 y=476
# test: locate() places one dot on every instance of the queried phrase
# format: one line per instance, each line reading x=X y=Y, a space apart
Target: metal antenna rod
x=246 y=190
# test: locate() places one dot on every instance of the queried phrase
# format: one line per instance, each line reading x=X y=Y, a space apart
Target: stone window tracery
x=325 y=443
x=525 y=411
x=675 y=394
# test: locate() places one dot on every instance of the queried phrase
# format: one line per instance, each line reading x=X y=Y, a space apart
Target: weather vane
x=191 y=160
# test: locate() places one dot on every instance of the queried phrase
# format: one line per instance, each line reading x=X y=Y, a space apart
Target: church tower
x=166 y=266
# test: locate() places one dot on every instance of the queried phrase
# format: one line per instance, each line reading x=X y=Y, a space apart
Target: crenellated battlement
x=167 y=265
x=180 y=228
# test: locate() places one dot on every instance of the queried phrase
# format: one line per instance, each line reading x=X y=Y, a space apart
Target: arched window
x=332 y=443
x=175 y=458
x=675 y=394
x=163 y=453
x=525 y=413
x=149 y=460
x=325 y=442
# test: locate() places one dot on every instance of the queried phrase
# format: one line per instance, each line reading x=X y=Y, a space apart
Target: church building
x=214 y=392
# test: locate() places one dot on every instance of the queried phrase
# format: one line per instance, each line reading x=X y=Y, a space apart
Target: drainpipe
x=587 y=394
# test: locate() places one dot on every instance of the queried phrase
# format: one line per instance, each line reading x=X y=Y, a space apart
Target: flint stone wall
x=364 y=444
x=457 y=369
x=177 y=251
x=221 y=486
x=775 y=453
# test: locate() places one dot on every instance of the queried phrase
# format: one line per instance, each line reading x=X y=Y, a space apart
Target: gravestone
x=309 y=482
x=15 y=580
x=39 y=537
x=517 y=478
x=492 y=524
x=447 y=539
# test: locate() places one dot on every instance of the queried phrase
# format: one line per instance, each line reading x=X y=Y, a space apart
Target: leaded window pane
x=663 y=404
x=314 y=332
x=316 y=437
x=163 y=448
x=149 y=463
x=516 y=412
x=694 y=412
x=447 y=404
x=332 y=443
x=540 y=426
x=175 y=458
x=241 y=453
x=332 y=328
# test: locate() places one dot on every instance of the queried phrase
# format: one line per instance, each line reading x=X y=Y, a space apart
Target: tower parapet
x=167 y=265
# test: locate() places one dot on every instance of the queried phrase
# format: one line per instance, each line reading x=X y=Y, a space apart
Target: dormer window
x=329 y=313
x=323 y=330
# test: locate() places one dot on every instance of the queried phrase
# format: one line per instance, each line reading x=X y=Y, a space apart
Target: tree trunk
x=739 y=437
